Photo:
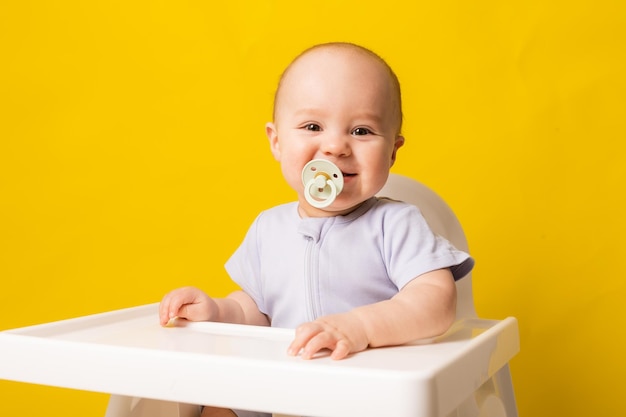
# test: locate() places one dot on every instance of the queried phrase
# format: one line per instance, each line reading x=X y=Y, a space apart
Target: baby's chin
x=337 y=208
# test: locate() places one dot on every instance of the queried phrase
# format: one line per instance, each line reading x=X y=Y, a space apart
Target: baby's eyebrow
x=309 y=111
x=370 y=117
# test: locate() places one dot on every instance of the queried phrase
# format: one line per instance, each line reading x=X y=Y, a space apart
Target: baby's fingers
x=304 y=333
x=340 y=347
x=171 y=306
x=166 y=313
x=320 y=341
x=312 y=338
x=164 y=310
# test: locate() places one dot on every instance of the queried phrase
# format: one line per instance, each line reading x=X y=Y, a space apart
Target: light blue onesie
x=299 y=269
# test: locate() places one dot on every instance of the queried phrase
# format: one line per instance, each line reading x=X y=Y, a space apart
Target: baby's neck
x=305 y=211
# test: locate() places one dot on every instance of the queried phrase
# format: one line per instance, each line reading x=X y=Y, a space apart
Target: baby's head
x=342 y=103
x=348 y=49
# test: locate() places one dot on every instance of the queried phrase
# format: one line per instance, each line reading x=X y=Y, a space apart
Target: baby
x=363 y=271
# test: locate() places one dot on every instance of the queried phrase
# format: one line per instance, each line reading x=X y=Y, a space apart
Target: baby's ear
x=272 y=135
x=397 y=145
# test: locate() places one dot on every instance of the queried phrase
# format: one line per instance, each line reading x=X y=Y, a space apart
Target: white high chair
x=157 y=372
x=495 y=398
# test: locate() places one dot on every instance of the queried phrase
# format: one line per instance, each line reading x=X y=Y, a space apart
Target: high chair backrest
x=442 y=220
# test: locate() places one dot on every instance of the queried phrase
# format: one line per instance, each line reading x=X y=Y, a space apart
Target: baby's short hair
x=395 y=83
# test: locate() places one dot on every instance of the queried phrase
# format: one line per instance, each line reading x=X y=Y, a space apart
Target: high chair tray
x=127 y=352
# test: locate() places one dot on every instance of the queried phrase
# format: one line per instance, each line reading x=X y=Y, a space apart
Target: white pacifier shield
x=323 y=182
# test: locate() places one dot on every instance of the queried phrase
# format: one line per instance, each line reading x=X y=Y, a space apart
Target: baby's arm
x=425 y=307
x=193 y=304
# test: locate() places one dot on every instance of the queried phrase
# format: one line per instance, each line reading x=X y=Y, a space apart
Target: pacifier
x=323 y=182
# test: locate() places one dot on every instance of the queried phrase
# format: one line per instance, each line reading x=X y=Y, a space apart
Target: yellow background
x=133 y=158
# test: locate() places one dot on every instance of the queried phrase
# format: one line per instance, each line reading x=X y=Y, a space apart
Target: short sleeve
x=244 y=266
x=411 y=248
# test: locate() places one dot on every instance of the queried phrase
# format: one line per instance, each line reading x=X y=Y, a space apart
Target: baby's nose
x=335 y=145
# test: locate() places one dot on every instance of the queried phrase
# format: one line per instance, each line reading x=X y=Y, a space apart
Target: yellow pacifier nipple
x=323 y=182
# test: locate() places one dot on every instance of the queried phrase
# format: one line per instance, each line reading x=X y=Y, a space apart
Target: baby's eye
x=360 y=131
x=312 y=127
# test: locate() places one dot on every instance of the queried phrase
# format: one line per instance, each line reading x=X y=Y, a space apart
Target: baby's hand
x=341 y=333
x=189 y=303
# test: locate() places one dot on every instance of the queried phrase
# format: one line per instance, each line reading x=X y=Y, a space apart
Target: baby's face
x=338 y=105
